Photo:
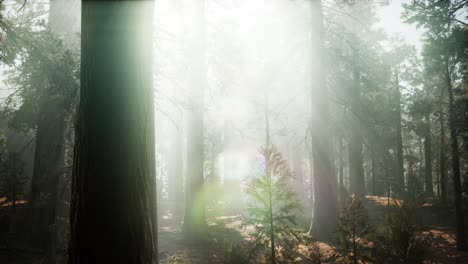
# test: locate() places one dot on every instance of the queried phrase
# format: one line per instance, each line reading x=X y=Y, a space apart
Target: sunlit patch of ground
x=312 y=250
x=17 y=202
x=444 y=249
x=5 y=203
x=430 y=202
x=382 y=200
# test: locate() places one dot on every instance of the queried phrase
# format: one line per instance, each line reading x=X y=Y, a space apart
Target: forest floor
x=227 y=230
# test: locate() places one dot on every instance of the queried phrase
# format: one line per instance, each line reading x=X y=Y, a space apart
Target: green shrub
x=400 y=243
x=352 y=245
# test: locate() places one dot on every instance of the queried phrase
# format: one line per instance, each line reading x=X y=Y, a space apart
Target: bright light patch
x=234 y=108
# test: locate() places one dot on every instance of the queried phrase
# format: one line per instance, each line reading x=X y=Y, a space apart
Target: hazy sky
x=391 y=22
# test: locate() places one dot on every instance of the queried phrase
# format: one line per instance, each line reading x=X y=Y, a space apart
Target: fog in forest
x=235 y=132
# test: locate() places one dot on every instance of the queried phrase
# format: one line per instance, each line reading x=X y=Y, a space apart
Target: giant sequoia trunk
x=194 y=226
x=461 y=243
x=113 y=206
x=356 y=169
x=399 y=182
x=325 y=195
x=50 y=144
x=48 y=162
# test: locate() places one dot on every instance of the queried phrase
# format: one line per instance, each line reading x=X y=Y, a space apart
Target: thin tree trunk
x=411 y=180
x=296 y=157
x=175 y=171
x=373 y=170
x=355 y=145
x=113 y=216
x=437 y=169
x=13 y=193
x=420 y=139
x=52 y=225
x=311 y=183
x=341 y=170
x=428 y=158
x=214 y=175
x=400 y=177
x=443 y=174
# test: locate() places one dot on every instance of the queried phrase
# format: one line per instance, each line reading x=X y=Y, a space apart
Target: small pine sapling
x=273 y=205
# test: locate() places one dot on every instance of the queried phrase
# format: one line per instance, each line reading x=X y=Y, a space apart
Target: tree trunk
x=428 y=158
x=49 y=148
x=48 y=160
x=175 y=193
x=461 y=243
x=194 y=227
x=443 y=174
x=341 y=170
x=52 y=225
x=373 y=170
x=355 y=145
x=311 y=182
x=212 y=186
x=420 y=157
x=113 y=215
x=298 y=173
x=412 y=190
x=400 y=177
x=325 y=195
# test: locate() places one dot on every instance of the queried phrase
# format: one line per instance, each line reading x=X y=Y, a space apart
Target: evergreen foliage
x=273 y=205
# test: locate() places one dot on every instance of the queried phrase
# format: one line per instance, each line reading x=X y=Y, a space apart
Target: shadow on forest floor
x=430 y=218
x=173 y=248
